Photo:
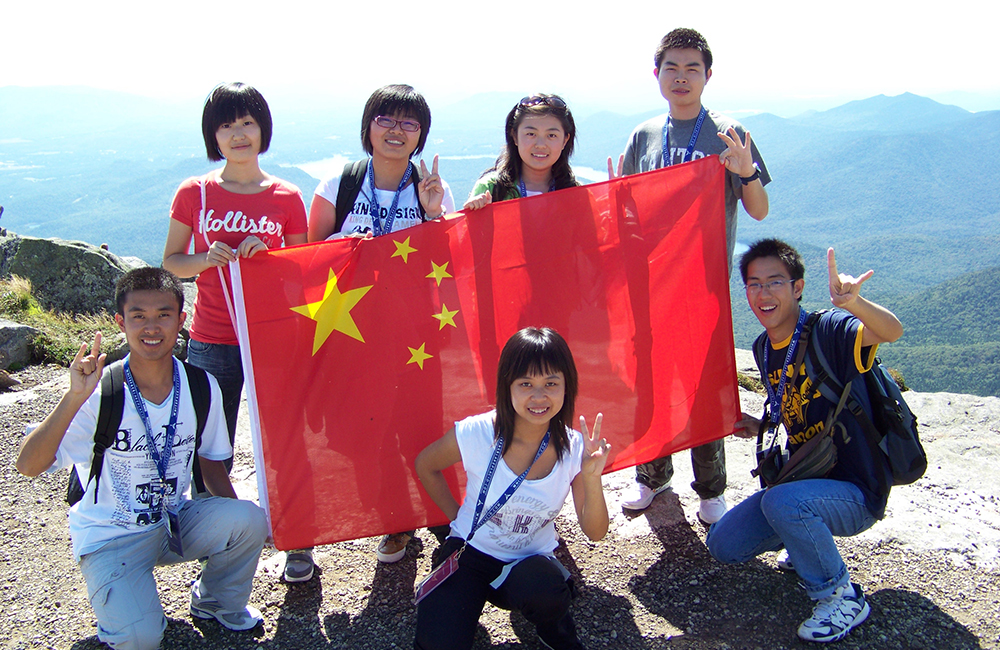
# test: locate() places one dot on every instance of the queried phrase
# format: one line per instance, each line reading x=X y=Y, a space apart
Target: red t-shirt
x=231 y=218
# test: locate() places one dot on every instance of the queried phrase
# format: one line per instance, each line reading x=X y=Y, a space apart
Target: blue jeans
x=801 y=516
x=224 y=363
x=119 y=575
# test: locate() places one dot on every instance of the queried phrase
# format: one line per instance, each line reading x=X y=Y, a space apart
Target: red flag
x=359 y=353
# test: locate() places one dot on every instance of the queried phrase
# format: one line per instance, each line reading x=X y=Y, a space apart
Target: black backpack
x=109 y=418
x=350 y=186
x=890 y=428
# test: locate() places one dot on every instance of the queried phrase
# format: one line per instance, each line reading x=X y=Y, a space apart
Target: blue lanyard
x=524 y=190
x=773 y=399
x=488 y=478
x=375 y=210
x=694 y=138
x=161 y=460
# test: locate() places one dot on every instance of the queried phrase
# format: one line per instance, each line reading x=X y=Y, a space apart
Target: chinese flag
x=359 y=353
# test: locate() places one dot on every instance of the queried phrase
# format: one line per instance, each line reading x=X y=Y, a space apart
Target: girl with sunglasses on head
x=233 y=212
x=394 y=128
x=540 y=134
x=521 y=460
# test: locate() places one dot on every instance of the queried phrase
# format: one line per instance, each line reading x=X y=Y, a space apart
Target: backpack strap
x=415 y=177
x=830 y=386
x=351 y=180
x=201 y=396
x=109 y=418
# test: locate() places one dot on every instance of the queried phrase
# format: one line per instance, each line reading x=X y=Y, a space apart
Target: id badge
x=437 y=576
x=174 y=532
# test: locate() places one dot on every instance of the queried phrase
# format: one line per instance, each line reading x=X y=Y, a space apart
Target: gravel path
x=930 y=569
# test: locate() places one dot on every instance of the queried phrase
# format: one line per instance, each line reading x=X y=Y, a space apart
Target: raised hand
x=430 y=191
x=615 y=173
x=844 y=289
x=738 y=157
x=478 y=202
x=85 y=369
x=595 y=448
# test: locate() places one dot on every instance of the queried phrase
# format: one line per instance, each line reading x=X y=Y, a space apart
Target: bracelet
x=752 y=177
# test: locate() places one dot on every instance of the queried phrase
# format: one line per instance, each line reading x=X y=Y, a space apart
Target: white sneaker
x=835 y=616
x=643 y=496
x=785 y=562
x=711 y=510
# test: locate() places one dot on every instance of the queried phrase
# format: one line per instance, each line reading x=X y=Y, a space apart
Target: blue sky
x=780 y=57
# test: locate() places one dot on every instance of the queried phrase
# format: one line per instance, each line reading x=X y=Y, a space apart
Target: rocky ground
x=931 y=569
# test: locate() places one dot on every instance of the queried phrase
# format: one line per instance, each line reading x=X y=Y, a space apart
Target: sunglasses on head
x=535 y=100
x=409 y=126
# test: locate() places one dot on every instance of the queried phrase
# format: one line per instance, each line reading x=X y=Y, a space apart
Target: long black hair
x=535 y=351
x=508 y=164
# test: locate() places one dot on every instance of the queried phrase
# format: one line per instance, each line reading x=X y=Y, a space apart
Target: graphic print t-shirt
x=360 y=221
x=804 y=410
x=125 y=502
x=230 y=218
x=523 y=527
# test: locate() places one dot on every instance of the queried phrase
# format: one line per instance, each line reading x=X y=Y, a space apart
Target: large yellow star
x=333 y=312
x=403 y=249
x=439 y=272
x=446 y=317
x=418 y=356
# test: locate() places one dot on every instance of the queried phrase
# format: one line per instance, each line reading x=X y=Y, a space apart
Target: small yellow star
x=418 y=356
x=439 y=272
x=446 y=317
x=333 y=312
x=403 y=249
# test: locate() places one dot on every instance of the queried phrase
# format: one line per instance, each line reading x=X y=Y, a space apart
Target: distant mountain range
x=904 y=185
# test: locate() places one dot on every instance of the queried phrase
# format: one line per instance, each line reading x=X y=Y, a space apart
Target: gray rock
x=66 y=276
x=14 y=341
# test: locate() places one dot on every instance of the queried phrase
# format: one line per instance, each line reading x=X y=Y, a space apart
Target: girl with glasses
x=521 y=460
x=394 y=128
x=540 y=134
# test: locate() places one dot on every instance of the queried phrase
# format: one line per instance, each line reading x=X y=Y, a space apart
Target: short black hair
x=148 y=278
x=396 y=99
x=683 y=38
x=227 y=103
x=536 y=351
x=774 y=248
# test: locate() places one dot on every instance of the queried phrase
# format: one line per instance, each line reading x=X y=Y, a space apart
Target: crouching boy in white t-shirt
x=135 y=515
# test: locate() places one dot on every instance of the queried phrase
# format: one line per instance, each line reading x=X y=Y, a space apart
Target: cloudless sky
x=781 y=56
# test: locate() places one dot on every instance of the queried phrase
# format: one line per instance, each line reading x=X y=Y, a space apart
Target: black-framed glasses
x=535 y=100
x=772 y=286
x=409 y=126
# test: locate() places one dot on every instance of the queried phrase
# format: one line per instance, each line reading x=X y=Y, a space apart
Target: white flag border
x=242 y=335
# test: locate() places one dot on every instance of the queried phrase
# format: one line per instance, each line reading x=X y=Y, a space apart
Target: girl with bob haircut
x=394 y=128
x=232 y=212
x=540 y=134
x=500 y=550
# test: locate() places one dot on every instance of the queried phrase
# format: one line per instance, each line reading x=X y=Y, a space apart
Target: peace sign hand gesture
x=85 y=369
x=595 y=448
x=844 y=289
x=430 y=190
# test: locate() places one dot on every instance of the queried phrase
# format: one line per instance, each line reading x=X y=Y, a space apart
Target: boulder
x=66 y=276
x=14 y=341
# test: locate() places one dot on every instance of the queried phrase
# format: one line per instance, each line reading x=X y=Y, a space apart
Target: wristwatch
x=752 y=177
